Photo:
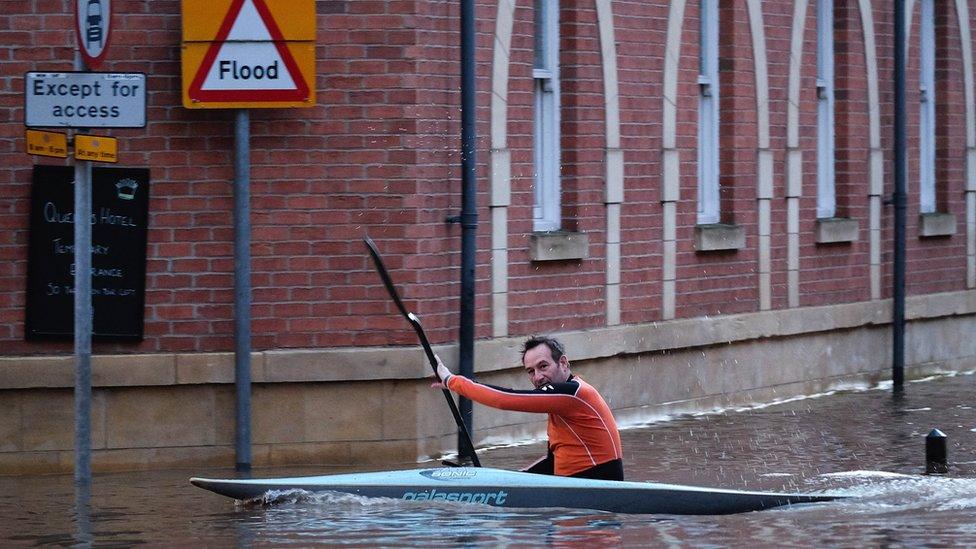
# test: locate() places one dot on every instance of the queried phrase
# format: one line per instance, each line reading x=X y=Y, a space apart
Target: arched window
x=545 y=73
x=926 y=125
x=708 y=115
x=826 y=148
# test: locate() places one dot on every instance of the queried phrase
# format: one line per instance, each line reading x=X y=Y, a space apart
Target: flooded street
x=863 y=443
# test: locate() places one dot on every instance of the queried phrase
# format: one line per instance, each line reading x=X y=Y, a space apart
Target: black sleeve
x=570 y=387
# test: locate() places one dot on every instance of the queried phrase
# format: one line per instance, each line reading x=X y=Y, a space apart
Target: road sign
x=93 y=21
x=85 y=99
x=47 y=143
x=248 y=54
x=97 y=148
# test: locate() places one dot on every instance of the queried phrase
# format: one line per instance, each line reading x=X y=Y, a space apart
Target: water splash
x=874 y=490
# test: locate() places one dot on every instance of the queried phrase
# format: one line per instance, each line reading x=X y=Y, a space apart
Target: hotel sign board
x=119 y=219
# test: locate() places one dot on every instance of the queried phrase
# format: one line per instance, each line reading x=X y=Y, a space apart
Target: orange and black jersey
x=582 y=431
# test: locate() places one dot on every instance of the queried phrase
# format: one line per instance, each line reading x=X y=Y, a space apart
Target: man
x=583 y=437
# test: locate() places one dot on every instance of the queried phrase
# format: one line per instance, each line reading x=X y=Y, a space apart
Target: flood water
x=861 y=442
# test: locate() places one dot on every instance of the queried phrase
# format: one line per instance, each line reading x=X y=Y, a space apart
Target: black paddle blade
x=385 y=276
x=411 y=318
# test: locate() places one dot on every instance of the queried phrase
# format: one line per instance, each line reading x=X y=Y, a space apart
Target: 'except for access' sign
x=85 y=99
x=248 y=54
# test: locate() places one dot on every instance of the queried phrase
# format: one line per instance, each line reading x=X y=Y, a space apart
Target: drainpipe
x=899 y=200
x=469 y=213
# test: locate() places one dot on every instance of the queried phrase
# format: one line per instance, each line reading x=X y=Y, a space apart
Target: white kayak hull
x=502 y=488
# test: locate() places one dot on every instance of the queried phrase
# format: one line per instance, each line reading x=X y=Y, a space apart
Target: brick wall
x=938 y=264
x=378 y=154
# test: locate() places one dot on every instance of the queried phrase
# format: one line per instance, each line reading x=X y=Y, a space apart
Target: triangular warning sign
x=248 y=60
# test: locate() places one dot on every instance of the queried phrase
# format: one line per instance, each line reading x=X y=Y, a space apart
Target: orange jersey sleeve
x=538 y=400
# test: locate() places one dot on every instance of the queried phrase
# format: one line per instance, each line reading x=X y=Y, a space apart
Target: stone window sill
x=834 y=230
x=558 y=246
x=719 y=236
x=936 y=224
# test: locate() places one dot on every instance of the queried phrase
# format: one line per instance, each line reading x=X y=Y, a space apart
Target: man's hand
x=442 y=374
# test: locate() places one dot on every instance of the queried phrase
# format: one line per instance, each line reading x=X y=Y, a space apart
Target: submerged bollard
x=936 y=453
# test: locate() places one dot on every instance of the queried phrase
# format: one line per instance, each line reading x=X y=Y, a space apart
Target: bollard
x=936 y=453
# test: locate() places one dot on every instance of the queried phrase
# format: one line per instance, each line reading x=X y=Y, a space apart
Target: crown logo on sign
x=126 y=188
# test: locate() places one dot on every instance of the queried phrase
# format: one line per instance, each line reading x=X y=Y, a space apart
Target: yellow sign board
x=202 y=19
x=248 y=54
x=96 y=148
x=47 y=143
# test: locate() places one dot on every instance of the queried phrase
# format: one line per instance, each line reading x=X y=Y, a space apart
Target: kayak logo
x=488 y=498
x=449 y=474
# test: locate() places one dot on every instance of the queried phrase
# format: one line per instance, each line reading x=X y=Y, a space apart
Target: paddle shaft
x=415 y=322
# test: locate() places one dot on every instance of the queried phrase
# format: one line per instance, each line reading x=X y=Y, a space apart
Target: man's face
x=542 y=369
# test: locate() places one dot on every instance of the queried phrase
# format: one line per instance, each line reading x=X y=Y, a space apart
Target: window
x=545 y=73
x=708 y=103
x=926 y=125
x=826 y=195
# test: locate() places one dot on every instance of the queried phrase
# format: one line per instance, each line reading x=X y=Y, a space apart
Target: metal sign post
x=92 y=21
x=83 y=317
x=241 y=57
x=242 y=287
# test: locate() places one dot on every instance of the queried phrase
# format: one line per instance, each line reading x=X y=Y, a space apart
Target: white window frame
x=708 y=115
x=926 y=121
x=546 y=211
x=826 y=132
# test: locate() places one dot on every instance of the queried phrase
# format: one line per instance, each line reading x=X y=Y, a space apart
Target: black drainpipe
x=899 y=200
x=469 y=213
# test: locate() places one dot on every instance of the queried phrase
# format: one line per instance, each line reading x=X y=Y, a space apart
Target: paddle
x=415 y=322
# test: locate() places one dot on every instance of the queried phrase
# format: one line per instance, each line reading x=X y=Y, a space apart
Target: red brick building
x=655 y=186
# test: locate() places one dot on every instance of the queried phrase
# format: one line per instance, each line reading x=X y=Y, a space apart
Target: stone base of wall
x=172 y=426
x=374 y=406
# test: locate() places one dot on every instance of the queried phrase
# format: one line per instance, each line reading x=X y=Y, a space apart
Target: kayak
x=501 y=488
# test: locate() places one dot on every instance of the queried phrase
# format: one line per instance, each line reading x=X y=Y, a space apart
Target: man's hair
x=556 y=348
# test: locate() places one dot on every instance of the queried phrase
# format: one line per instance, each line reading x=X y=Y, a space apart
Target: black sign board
x=120 y=214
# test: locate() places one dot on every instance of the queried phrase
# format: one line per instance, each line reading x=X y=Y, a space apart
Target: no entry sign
x=93 y=21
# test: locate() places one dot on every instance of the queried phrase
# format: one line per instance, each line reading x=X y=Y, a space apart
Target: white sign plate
x=85 y=99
